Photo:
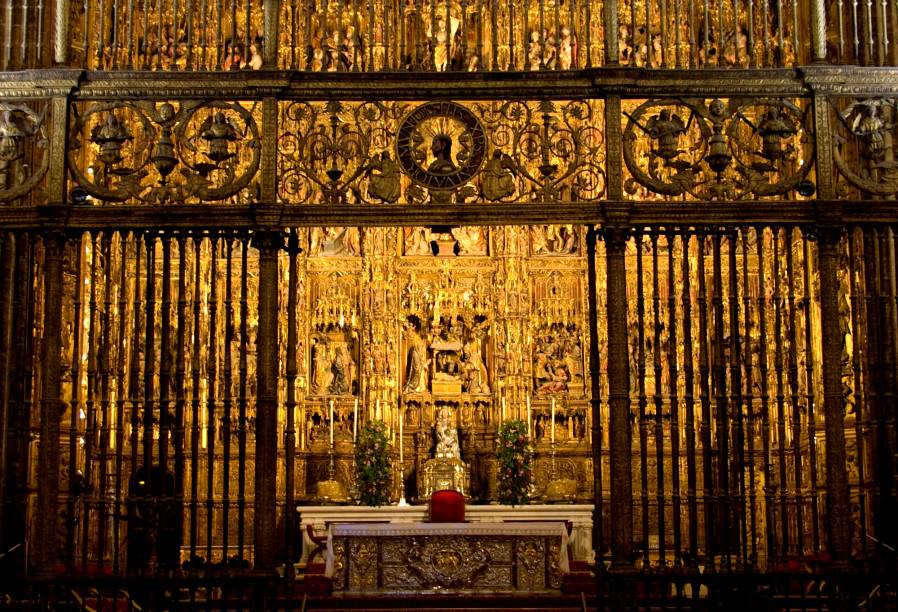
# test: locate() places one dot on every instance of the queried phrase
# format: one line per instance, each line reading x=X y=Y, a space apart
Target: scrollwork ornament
x=21 y=127
x=160 y=154
x=864 y=149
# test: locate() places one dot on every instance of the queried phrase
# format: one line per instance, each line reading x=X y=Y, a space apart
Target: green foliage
x=372 y=464
x=515 y=462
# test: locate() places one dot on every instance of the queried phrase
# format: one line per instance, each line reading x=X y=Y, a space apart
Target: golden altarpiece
x=658 y=232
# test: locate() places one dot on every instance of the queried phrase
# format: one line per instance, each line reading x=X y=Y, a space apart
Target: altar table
x=457 y=557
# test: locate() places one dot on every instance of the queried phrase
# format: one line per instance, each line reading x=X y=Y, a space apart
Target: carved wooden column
x=609 y=19
x=598 y=540
x=60 y=32
x=838 y=508
x=818 y=31
x=265 y=519
x=52 y=408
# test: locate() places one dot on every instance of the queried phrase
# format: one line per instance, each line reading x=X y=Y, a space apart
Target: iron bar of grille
x=810 y=360
x=165 y=364
x=708 y=488
x=105 y=379
x=721 y=418
x=689 y=399
x=889 y=340
x=7 y=285
x=861 y=413
x=181 y=371
x=778 y=307
x=658 y=427
x=101 y=36
x=195 y=405
x=211 y=375
x=290 y=399
x=227 y=357
x=90 y=403
x=875 y=391
x=242 y=399
x=748 y=346
x=74 y=405
x=794 y=401
x=673 y=378
x=767 y=467
x=737 y=486
x=642 y=399
x=134 y=371
x=596 y=391
x=149 y=369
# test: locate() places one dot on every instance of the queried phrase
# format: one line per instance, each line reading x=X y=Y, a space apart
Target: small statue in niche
x=416 y=361
x=566 y=52
x=447 y=436
x=383 y=182
x=476 y=377
x=321 y=367
x=331 y=46
x=550 y=53
x=417 y=241
x=341 y=376
x=441 y=46
x=471 y=240
x=534 y=51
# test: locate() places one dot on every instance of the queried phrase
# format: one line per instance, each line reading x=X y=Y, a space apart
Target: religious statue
x=534 y=51
x=110 y=135
x=383 y=183
x=447 y=436
x=566 y=53
x=550 y=53
x=331 y=47
x=417 y=241
x=255 y=58
x=869 y=127
x=322 y=361
x=416 y=362
x=497 y=179
x=340 y=375
x=665 y=128
x=476 y=378
x=11 y=137
x=773 y=130
x=334 y=241
x=441 y=46
x=441 y=147
x=348 y=48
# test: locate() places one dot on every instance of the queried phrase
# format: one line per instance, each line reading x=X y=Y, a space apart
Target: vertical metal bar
x=85 y=30
x=678 y=38
x=649 y=52
x=290 y=400
x=52 y=406
x=130 y=37
x=796 y=49
x=719 y=380
x=149 y=372
x=658 y=427
x=371 y=38
x=737 y=487
x=211 y=375
x=115 y=35
x=180 y=372
x=798 y=547
x=673 y=397
x=119 y=400
x=861 y=413
x=749 y=396
x=265 y=516
x=7 y=314
x=227 y=356
x=780 y=32
x=273 y=41
x=145 y=33
x=595 y=396
x=481 y=60
x=23 y=39
x=242 y=398
x=159 y=34
x=134 y=370
x=752 y=60
x=610 y=43
x=708 y=488
x=195 y=405
x=511 y=30
x=765 y=38
x=811 y=395
x=90 y=405
x=220 y=50
x=689 y=399
x=706 y=43
x=105 y=378
x=642 y=399
x=838 y=506
x=101 y=36
x=767 y=466
x=618 y=394
x=778 y=306
x=165 y=361
x=75 y=487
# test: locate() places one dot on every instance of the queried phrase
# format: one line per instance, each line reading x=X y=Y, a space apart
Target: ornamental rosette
x=514 y=461
x=372 y=464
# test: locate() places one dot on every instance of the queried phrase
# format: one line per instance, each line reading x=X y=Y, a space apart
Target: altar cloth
x=453 y=557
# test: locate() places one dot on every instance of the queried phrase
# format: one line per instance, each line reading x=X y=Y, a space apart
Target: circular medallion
x=441 y=145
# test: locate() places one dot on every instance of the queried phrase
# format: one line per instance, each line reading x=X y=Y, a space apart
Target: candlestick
x=332 y=421
x=503 y=408
x=355 y=420
x=400 y=438
x=377 y=409
x=552 y=422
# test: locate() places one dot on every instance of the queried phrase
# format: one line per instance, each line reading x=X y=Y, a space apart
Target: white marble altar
x=580 y=515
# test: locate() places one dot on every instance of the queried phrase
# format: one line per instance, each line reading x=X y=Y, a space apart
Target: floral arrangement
x=372 y=464
x=515 y=462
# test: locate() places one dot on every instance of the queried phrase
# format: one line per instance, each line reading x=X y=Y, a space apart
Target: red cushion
x=447 y=506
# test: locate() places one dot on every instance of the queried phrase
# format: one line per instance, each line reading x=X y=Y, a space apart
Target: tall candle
x=503 y=408
x=528 y=416
x=332 y=421
x=377 y=409
x=400 y=437
x=355 y=420
x=552 y=422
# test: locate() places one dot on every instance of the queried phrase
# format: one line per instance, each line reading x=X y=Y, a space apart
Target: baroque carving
x=447 y=562
x=163 y=154
x=24 y=158
x=717 y=151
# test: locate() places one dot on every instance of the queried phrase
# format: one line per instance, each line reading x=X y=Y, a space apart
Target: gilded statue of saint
x=447 y=436
x=416 y=365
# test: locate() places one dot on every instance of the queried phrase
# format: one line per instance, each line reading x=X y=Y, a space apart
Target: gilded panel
x=24 y=151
